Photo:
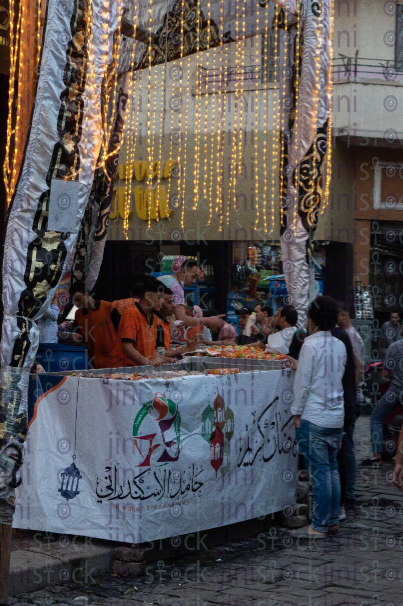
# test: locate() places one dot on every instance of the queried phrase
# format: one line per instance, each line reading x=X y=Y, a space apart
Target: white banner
x=155 y=459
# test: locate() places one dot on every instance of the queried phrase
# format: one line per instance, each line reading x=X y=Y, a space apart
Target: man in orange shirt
x=138 y=326
x=97 y=323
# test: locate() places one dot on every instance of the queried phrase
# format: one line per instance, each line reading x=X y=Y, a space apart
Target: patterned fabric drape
x=305 y=140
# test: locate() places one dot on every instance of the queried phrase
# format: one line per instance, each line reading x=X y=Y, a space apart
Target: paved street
x=362 y=566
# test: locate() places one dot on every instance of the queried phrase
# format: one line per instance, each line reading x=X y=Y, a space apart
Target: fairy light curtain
x=279 y=64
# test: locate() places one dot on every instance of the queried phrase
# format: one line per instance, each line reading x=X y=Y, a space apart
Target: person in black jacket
x=346 y=455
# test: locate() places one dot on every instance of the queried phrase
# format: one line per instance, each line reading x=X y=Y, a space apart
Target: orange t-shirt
x=123 y=305
x=192 y=332
x=166 y=326
x=139 y=329
x=100 y=334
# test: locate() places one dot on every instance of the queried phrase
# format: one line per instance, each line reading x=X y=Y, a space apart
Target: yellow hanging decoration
x=206 y=106
x=240 y=142
x=181 y=176
x=325 y=200
x=197 y=115
x=258 y=59
x=218 y=100
x=109 y=121
x=234 y=143
x=128 y=123
x=149 y=149
x=297 y=116
x=12 y=144
x=265 y=128
x=282 y=101
x=276 y=120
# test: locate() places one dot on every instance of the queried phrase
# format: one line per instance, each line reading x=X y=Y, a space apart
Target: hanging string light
x=152 y=166
x=9 y=156
x=206 y=106
x=38 y=34
x=170 y=152
x=181 y=167
x=149 y=150
x=182 y=188
x=266 y=130
x=199 y=70
x=295 y=141
x=325 y=200
x=214 y=128
x=138 y=89
x=282 y=102
x=276 y=117
x=218 y=193
x=19 y=95
x=129 y=164
x=258 y=58
x=222 y=168
x=110 y=120
x=232 y=179
x=240 y=145
x=14 y=113
x=162 y=115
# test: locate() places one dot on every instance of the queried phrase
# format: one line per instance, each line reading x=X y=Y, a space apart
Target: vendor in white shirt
x=285 y=321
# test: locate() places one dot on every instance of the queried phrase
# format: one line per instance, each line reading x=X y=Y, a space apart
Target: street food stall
x=139 y=454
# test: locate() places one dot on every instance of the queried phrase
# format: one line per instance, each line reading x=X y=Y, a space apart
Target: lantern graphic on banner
x=217 y=428
x=207 y=423
x=71 y=475
x=217 y=449
x=70 y=479
x=219 y=412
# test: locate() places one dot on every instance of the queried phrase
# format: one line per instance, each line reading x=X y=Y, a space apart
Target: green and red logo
x=156 y=428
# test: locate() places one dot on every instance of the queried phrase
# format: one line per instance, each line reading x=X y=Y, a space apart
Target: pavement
x=361 y=566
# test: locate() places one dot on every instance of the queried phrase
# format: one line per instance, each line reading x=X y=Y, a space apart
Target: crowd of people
x=327 y=355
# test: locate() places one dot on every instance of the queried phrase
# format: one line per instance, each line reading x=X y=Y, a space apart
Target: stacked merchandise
x=362 y=302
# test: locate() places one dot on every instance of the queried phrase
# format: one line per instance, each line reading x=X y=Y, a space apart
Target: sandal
x=302 y=533
x=333 y=529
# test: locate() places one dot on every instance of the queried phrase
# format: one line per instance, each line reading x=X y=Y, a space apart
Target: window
x=388 y=182
x=386 y=277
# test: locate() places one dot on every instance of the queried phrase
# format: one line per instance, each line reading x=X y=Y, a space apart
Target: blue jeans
x=347 y=461
x=319 y=446
x=382 y=410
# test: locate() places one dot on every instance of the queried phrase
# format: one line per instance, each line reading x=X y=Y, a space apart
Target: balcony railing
x=358 y=68
x=353 y=69
x=233 y=77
